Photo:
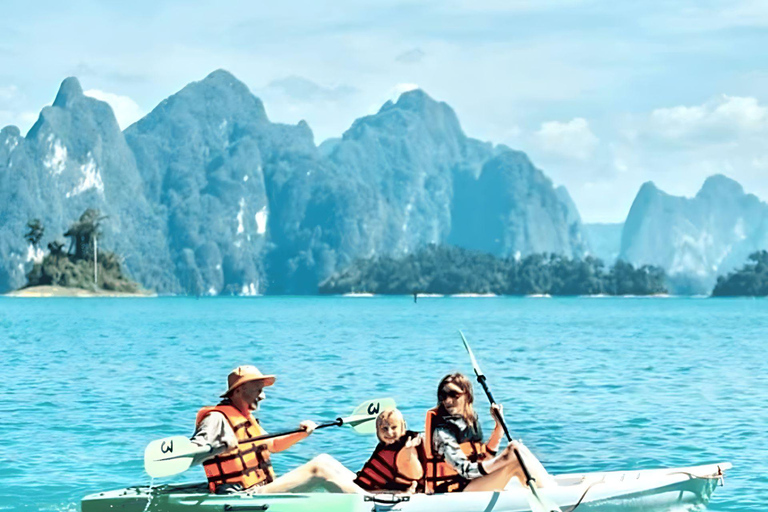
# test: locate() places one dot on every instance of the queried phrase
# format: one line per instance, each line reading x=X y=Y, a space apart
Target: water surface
x=590 y=384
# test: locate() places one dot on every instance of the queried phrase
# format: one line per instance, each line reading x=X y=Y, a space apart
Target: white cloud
x=678 y=147
x=11 y=111
x=712 y=16
x=513 y=6
x=721 y=119
x=126 y=110
x=8 y=93
x=573 y=139
x=304 y=90
x=412 y=56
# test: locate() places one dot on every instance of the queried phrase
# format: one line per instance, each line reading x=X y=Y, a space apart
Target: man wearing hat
x=236 y=464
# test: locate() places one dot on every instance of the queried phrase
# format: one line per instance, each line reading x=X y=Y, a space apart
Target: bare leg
x=542 y=477
x=499 y=479
x=322 y=471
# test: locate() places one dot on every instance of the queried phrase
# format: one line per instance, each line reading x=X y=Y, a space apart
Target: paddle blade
x=170 y=456
x=541 y=503
x=475 y=366
x=363 y=418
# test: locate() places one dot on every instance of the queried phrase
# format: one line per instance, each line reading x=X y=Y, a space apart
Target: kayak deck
x=656 y=489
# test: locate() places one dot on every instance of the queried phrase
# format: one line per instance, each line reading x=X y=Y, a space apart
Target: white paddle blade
x=374 y=407
x=539 y=503
x=170 y=456
x=361 y=424
x=475 y=366
x=363 y=418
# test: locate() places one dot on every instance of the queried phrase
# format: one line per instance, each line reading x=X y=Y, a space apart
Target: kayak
x=656 y=489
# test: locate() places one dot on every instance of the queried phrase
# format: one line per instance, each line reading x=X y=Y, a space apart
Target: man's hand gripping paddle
x=174 y=455
x=540 y=504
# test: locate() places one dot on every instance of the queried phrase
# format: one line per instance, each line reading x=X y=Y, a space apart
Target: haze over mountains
x=205 y=195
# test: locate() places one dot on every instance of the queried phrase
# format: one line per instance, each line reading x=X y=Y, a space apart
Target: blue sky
x=602 y=95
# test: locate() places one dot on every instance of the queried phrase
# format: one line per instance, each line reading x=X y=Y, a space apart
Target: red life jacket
x=380 y=472
x=439 y=475
x=248 y=464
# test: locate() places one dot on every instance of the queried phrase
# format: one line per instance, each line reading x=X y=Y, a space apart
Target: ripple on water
x=588 y=385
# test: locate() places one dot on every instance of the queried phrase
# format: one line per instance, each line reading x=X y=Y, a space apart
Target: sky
x=602 y=95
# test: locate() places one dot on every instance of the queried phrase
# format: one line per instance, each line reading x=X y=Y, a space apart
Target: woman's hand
x=497 y=413
x=308 y=426
x=508 y=454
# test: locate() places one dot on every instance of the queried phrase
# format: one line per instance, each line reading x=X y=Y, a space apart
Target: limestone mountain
x=207 y=196
x=75 y=157
x=433 y=184
x=200 y=156
x=695 y=239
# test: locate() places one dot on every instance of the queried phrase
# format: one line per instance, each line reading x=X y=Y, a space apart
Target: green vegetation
x=449 y=270
x=751 y=280
x=75 y=267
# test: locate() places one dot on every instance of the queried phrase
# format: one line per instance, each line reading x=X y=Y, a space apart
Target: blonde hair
x=465 y=385
x=387 y=414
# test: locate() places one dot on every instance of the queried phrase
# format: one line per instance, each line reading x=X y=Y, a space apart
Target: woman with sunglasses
x=457 y=458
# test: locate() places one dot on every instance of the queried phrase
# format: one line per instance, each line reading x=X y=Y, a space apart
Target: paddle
x=174 y=455
x=539 y=503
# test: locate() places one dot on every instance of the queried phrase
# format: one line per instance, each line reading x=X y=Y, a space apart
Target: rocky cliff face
x=73 y=158
x=430 y=183
x=207 y=196
x=695 y=239
x=604 y=240
x=200 y=156
x=512 y=209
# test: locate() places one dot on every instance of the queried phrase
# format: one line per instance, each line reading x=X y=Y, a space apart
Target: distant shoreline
x=467 y=295
x=61 y=291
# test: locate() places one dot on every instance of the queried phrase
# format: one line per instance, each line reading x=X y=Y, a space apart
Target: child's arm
x=408 y=459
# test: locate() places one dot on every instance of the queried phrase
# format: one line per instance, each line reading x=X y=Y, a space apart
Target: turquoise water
x=590 y=384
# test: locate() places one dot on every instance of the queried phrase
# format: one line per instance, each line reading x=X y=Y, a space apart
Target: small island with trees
x=83 y=270
x=447 y=270
x=749 y=281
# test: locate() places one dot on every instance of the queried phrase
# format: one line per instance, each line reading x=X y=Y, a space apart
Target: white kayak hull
x=674 y=489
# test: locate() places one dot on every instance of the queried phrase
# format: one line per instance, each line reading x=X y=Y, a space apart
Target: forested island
x=750 y=281
x=452 y=270
x=82 y=266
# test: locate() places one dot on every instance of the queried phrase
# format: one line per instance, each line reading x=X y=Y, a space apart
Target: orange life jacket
x=248 y=464
x=381 y=473
x=439 y=475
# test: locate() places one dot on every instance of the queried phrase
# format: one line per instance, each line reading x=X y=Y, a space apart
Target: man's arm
x=279 y=444
x=214 y=431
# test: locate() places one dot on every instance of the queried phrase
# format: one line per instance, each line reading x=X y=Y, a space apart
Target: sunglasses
x=449 y=393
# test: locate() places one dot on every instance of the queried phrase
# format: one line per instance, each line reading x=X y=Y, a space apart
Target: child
x=396 y=463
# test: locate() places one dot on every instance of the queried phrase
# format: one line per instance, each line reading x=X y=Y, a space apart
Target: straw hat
x=243 y=374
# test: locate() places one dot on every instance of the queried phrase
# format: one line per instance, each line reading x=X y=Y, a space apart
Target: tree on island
x=75 y=267
x=83 y=233
x=750 y=281
x=35 y=232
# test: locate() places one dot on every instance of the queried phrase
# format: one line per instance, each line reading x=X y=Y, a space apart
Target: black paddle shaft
x=528 y=477
x=336 y=423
